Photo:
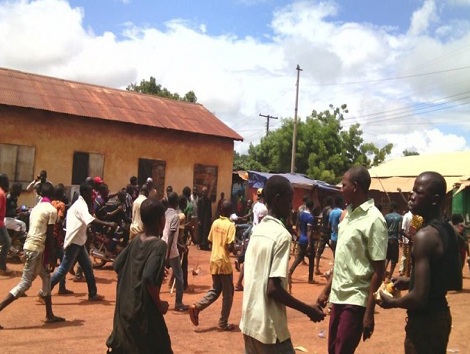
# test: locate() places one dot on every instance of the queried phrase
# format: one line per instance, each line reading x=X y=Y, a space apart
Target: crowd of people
x=158 y=230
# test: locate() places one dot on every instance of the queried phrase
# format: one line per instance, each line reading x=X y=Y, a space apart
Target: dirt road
x=89 y=324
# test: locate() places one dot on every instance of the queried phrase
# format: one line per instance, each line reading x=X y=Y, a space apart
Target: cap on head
x=149 y=180
x=97 y=180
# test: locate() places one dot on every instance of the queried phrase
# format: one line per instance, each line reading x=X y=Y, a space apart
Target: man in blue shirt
x=335 y=215
x=394 y=221
x=306 y=242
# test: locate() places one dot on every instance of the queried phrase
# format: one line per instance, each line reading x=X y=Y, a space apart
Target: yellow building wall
x=57 y=136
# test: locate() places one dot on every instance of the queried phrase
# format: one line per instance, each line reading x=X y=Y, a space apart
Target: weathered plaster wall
x=57 y=136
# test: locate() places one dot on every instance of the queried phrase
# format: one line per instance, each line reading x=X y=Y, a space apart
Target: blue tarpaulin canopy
x=258 y=180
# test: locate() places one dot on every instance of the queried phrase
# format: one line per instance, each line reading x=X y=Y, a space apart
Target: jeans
x=175 y=264
x=184 y=268
x=75 y=252
x=221 y=284
x=60 y=255
x=247 y=231
x=300 y=256
x=324 y=238
x=5 y=241
x=33 y=266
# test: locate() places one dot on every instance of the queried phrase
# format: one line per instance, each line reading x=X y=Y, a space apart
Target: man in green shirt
x=359 y=266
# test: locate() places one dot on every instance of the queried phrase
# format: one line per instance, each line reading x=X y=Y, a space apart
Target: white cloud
x=238 y=78
x=459 y=2
x=422 y=18
x=29 y=35
x=429 y=141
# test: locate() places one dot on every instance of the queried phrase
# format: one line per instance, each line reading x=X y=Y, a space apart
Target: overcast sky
x=402 y=67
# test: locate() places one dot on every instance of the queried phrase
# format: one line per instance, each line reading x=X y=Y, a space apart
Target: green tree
x=324 y=149
x=190 y=96
x=151 y=87
x=246 y=162
x=409 y=153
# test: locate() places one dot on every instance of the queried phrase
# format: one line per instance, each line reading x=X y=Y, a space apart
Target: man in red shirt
x=5 y=241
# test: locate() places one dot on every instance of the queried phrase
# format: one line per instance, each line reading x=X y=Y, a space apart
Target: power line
x=421 y=123
x=416 y=113
x=394 y=78
x=443 y=57
x=248 y=118
x=417 y=106
x=409 y=112
x=397 y=116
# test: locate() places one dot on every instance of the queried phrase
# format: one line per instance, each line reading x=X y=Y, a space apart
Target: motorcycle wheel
x=15 y=253
x=96 y=262
x=14 y=256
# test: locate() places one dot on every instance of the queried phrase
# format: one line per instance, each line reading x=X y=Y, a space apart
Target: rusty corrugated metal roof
x=79 y=99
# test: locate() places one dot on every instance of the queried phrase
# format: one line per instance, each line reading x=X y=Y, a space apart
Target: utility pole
x=268 y=117
x=294 y=136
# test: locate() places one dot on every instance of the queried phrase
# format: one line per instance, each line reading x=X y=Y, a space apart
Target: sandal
x=226 y=328
x=54 y=319
x=194 y=314
x=182 y=308
x=238 y=287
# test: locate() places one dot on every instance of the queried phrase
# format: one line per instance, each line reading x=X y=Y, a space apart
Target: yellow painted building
x=73 y=130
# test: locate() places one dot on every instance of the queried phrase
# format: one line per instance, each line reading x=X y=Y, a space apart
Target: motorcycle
x=105 y=245
x=17 y=242
x=240 y=242
x=18 y=238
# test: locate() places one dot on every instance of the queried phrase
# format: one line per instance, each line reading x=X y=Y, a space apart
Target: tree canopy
x=151 y=87
x=410 y=153
x=324 y=149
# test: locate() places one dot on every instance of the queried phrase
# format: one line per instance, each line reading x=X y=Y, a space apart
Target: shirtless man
x=435 y=270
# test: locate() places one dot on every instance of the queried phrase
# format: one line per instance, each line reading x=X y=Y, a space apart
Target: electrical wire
x=387 y=119
x=416 y=107
x=393 y=78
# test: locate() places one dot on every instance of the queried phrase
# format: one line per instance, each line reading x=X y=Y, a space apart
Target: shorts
x=392 y=250
x=255 y=346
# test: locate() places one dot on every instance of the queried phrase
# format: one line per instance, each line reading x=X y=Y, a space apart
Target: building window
x=17 y=162
x=86 y=165
x=154 y=169
x=206 y=176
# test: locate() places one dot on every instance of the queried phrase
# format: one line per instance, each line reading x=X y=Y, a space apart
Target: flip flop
x=226 y=328
x=194 y=314
x=54 y=319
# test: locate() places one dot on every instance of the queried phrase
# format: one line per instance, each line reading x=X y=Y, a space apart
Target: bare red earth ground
x=89 y=324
